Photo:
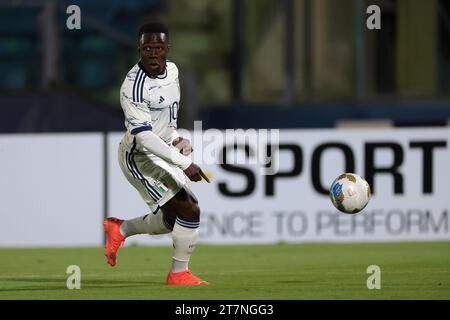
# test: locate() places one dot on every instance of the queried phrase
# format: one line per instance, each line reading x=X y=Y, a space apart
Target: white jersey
x=150 y=103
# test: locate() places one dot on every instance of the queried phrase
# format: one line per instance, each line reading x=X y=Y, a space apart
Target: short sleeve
x=137 y=115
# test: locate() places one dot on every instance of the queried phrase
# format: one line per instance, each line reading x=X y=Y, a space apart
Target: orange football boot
x=114 y=239
x=183 y=278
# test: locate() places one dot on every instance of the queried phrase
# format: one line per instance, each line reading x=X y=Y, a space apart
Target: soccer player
x=154 y=159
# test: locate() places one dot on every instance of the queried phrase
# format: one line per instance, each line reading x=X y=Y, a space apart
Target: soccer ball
x=350 y=193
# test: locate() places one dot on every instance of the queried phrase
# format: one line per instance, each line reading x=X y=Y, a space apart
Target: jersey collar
x=161 y=76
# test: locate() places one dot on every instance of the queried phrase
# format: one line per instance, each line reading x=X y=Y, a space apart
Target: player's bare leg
x=183 y=213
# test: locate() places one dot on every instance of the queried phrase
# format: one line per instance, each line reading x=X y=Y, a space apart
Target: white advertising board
x=407 y=169
x=51 y=188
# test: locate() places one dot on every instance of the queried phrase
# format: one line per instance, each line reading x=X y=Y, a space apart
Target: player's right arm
x=156 y=145
x=139 y=123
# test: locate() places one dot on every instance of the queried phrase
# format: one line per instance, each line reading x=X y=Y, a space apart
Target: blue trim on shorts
x=131 y=164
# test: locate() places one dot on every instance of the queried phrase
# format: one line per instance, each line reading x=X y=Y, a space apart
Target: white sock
x=134 y=226
x=184 y=237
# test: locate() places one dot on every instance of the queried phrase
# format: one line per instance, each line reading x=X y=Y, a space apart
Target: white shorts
x=156 y=180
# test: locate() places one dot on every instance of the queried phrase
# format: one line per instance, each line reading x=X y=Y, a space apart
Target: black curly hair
x=153 y=27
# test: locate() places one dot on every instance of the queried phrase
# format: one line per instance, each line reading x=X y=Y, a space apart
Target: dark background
x=243 y=63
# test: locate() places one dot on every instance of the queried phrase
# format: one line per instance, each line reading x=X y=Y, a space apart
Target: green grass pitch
x=415 y=270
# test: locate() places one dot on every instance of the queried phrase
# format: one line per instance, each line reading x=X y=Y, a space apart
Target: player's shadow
x=85 y=284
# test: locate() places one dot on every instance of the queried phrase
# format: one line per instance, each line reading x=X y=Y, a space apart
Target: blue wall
x=71 y=112
x=325 y=115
